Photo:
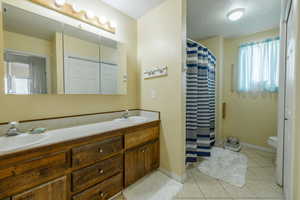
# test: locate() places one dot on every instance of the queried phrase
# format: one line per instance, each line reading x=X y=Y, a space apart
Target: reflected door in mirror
x=25 y=74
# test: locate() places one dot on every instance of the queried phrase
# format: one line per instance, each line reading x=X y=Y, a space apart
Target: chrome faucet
x=125 y=114
x=13 y=130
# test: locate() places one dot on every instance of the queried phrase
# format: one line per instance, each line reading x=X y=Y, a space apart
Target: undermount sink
x=20 y=141
x=133 y=119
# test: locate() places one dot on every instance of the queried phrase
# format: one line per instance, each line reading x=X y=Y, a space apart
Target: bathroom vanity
x=96 y=166
x=81 y=157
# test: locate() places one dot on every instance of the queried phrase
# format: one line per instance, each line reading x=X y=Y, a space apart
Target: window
x=258 y=67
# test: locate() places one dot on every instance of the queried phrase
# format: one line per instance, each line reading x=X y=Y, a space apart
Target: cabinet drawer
x=139 y=137
x=102 y=191
x=33 y=172
x=54 y=190
x=90 y=153
x=96 y=173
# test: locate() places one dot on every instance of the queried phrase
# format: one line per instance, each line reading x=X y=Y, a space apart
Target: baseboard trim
x=180 y=179
x=253 y=146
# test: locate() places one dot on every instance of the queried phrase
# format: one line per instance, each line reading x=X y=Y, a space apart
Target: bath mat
x=156 y=186
x=226 y=165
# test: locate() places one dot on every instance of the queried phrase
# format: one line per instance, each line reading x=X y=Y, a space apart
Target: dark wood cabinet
x=90 y=153
x=103 y=190
x=152 y=156
x=96 y=173
x=140 y=161
x=134 y=165
x=140 y=136
x=90 y=168
x=54 y=190
x=33 y=172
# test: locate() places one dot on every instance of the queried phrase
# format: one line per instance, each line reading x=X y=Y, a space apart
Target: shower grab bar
x=224 y=110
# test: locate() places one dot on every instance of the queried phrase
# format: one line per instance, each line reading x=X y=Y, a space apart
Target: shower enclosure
x=200 y=101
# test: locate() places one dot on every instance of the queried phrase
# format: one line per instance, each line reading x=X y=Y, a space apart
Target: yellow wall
x=24 y=43
x=77 y=47
x=39 y=106
x=58 y=71
x=160 y=42
x=252 y=119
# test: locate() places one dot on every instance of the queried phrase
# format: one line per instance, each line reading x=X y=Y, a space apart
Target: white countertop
x=76 y=132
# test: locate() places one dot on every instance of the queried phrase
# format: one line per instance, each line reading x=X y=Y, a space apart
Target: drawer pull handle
x=101 y=171
x=100 y=150
x=102 y=194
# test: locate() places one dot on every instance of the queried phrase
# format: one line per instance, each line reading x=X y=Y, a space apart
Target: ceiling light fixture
x=236 y=14
x=60 y=3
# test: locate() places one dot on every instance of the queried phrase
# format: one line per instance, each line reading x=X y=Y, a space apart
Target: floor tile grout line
x=198 y=186
x=254 y=168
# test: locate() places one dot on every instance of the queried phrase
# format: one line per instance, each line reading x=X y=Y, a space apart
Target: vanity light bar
x=73 y=10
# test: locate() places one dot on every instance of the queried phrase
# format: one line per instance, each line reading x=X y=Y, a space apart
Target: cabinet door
x=134 y=165
x=140 y=161
x=151 y=156
x=54 y=190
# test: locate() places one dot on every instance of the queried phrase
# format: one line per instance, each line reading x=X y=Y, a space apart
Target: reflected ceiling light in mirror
x=90 y=14
x=236 y=14
x=60 y=3
x=103 y=20
x=76 y=8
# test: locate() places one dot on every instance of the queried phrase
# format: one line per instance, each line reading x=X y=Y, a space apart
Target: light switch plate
x=153 y=93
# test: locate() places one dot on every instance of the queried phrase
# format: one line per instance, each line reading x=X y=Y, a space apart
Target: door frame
x=281 y=155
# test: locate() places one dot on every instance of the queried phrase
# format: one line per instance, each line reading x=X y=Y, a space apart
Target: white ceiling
x=207 y=18
x=133 y=8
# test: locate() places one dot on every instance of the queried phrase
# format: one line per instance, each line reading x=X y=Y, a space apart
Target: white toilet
x=273 y=141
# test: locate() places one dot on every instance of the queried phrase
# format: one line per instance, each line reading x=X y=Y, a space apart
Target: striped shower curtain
x=200 y=101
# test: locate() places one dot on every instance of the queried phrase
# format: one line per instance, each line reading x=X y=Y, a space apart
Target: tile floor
x=260 y=182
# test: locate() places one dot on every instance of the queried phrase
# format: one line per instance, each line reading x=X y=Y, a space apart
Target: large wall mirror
x=43 y=56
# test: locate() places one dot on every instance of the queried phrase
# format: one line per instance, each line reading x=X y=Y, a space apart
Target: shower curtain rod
x=201 y=45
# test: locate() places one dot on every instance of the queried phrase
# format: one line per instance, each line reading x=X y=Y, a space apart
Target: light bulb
x=236 y=14
x=76 y=8
x=90 y=14
x=60 y=3
x=103 y=20
x=113 y=24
